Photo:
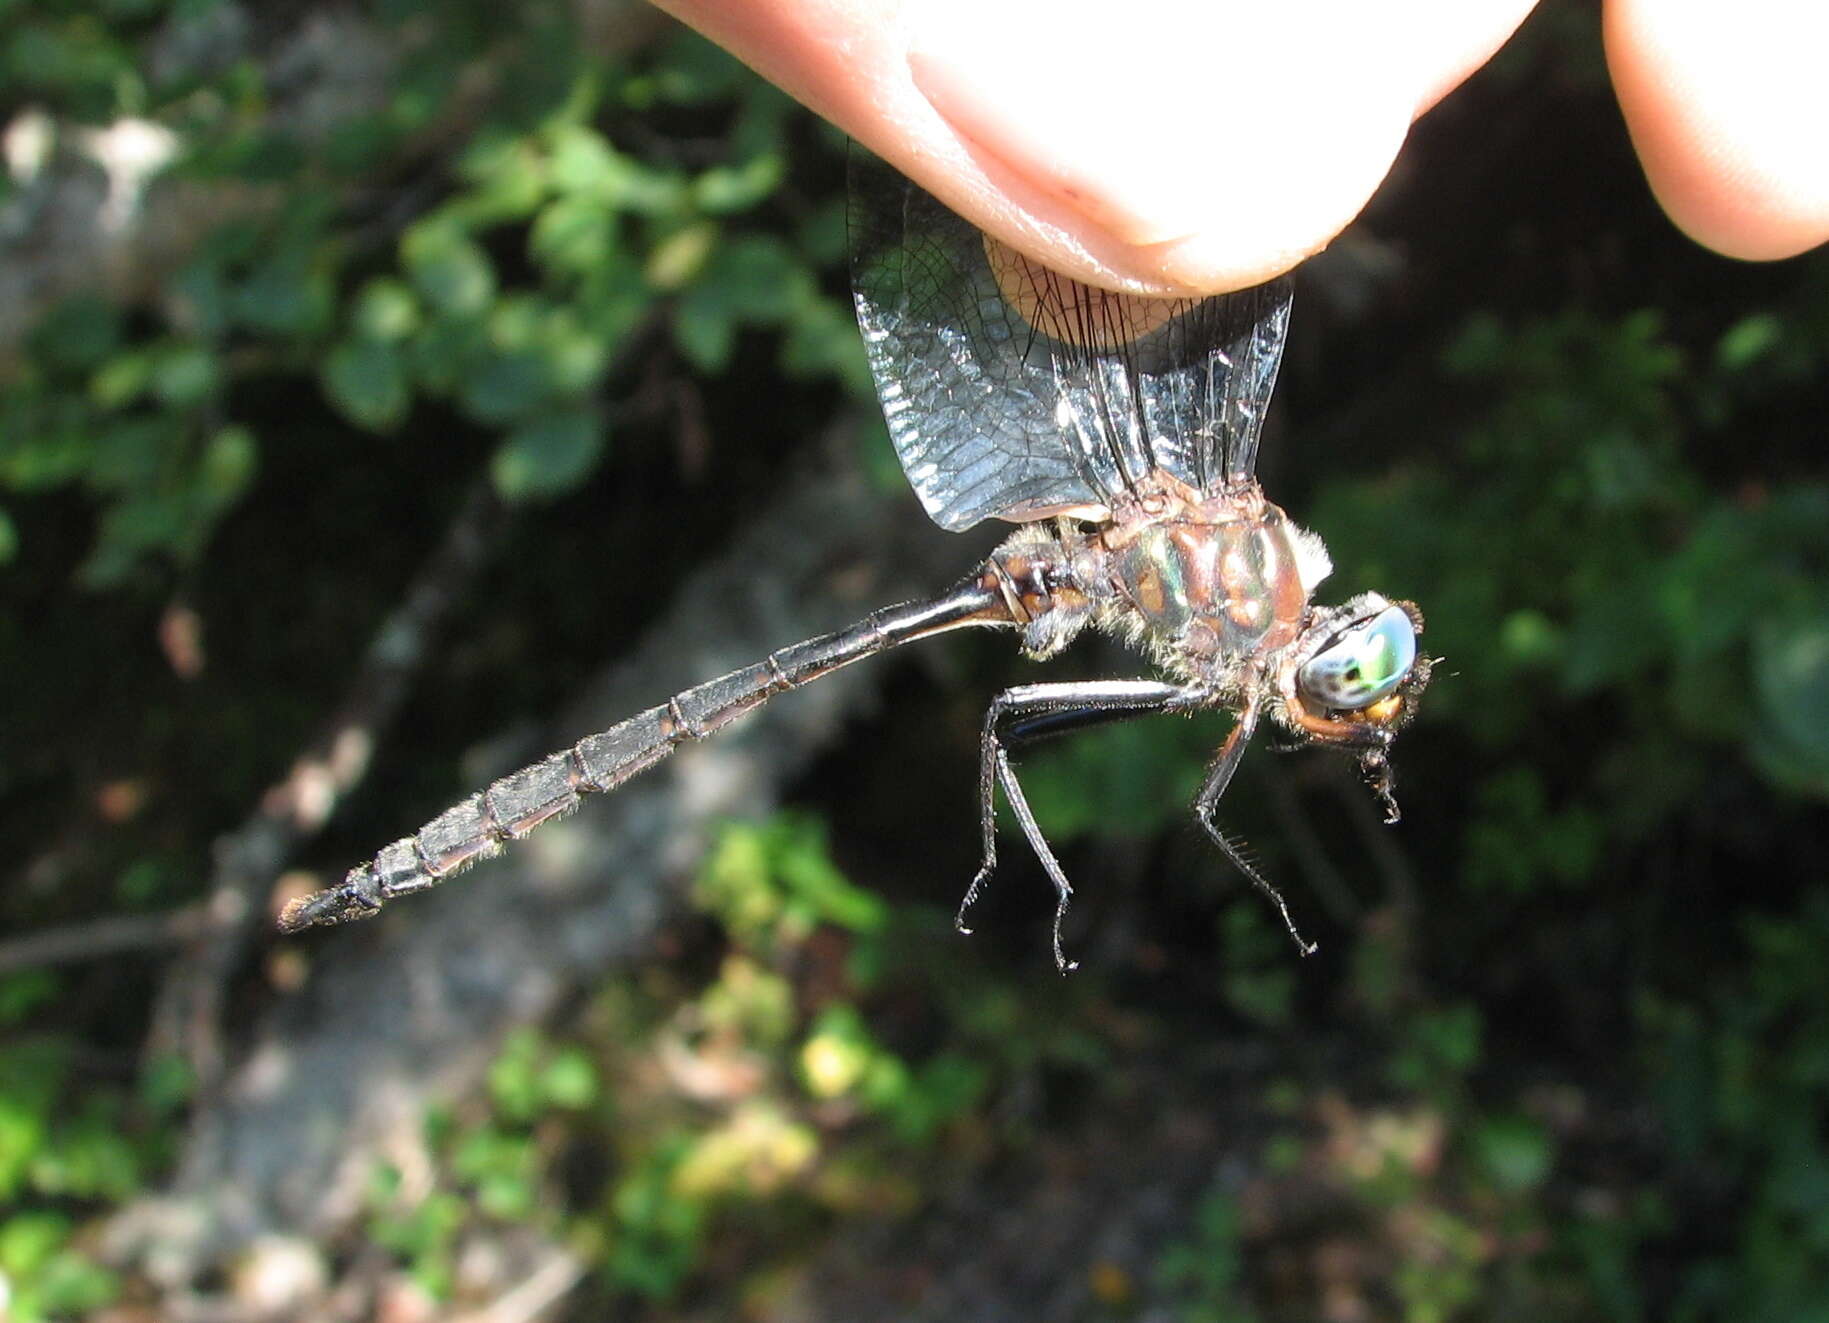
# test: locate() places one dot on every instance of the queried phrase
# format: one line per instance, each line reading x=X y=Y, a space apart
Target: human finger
x=1159 y=147
x=1728 y=108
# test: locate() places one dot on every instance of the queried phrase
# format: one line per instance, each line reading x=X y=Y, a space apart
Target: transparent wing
x=1012 y=391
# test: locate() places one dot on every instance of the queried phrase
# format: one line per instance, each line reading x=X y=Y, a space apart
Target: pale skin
x=1196 y=146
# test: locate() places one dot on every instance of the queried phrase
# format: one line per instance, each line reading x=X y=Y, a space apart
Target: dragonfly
x=1120 y=435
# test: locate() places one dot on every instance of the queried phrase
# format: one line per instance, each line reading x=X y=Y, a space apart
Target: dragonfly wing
x=1014 y=392
x=1218 y=406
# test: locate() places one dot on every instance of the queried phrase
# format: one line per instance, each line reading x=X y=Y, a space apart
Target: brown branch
x=105 y=937
x=555 y=1278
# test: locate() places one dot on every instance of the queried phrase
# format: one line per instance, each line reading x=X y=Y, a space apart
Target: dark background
x=466 y=380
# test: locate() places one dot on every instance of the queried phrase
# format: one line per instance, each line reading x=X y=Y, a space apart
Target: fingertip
x=1189 y=149
x=1184 y=151
x=1726 y=106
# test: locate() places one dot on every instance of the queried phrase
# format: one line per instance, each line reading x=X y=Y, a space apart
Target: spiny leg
x=1375 y=768
x=1036 y=712
x=1218 y=778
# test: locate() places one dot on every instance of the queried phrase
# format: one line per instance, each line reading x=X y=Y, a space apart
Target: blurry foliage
x=751 y=1103
x=505 y=286
x=1586 y=1015
x=509 y=296
x=1203 y=1274
x=67 y=1144
x=1741 y=1074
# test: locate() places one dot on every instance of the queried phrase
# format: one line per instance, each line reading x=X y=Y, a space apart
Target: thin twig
x=547 y=1284
x=248 y=860
x=106 y=937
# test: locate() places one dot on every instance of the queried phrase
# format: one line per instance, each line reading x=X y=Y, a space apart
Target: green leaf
x=751 y=280
x=574 y=235
x=446 y=351
x=24 y=992
x=822 y=340
x=1747 y=341
x=229 y=461
x=506 y=387
x=681 y=256
x=583 y=162
x=548 y=456
x=509 y=182
x=759 y=278
x=166 y=1084
x=185 y=376
x=72 y=1285
x=704 y=332
x=9 y=538
x=1791 y=681
x=127 y=455
x=448 y=267
x=1515 y=1152
x=78 y=333
x=134 y=526
x=569 y=1079
x=286 y=296
x=366 y=382
x=28 y=1240
x=386 y=310
x=730 y=188
x=120 y=381
x=691 y=71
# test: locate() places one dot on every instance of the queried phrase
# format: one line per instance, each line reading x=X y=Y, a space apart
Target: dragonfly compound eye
x=1362 y=666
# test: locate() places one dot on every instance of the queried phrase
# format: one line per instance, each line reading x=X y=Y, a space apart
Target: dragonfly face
x=1363 y=664
x=1120 y=434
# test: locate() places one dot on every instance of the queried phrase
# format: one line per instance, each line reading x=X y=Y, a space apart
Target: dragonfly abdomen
x=482 y=825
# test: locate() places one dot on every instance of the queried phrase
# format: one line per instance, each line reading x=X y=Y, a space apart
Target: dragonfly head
x=1352 y=679
x=1359 y=663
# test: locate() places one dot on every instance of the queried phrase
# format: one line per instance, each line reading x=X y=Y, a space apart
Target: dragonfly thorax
x=1214 y=581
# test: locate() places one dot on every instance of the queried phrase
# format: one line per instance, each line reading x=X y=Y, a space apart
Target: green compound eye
x=1365 y=664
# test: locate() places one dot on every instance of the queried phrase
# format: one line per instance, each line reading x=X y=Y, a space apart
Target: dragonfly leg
x=1033 y=712
x=1219 y=776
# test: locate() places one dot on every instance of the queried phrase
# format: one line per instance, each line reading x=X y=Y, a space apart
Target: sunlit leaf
x=681 y=256
x=1748 y=340
x=725 y=189
x=385 y=310
x=574 y=235
x=230 y=459
x=121 y=379
x=28 y=1240
x=584 y=163
x=508 y=182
